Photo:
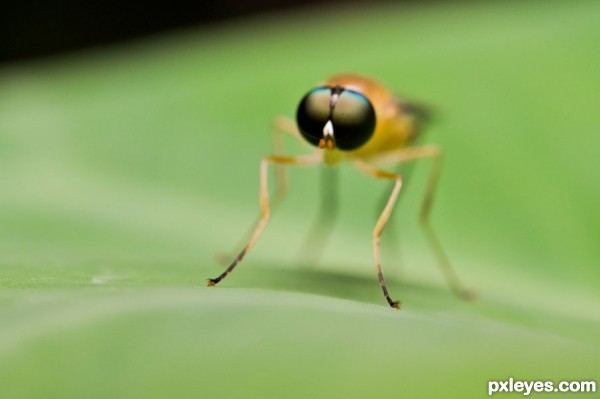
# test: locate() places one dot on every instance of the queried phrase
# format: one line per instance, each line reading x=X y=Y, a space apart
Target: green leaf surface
x=125 y=171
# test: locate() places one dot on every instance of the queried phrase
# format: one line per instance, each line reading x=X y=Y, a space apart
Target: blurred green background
x=125 y=170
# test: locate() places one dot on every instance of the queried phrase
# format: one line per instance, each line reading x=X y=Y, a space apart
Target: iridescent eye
x=351 y=114
x=353 y=120
x=313 y=113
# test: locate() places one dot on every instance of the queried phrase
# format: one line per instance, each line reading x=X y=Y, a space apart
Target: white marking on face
x=328 y=130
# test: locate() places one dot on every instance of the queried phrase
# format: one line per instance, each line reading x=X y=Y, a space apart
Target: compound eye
x=353 y=120
x=313 y=113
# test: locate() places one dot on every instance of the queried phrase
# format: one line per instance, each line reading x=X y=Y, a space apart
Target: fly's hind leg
x=435 y=154
x=281 y=126
x=442 y=259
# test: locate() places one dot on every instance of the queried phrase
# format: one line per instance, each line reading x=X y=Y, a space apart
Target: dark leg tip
x=212 y=282
x=395 y=304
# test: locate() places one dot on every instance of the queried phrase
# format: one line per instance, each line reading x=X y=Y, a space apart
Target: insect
x=353 y=118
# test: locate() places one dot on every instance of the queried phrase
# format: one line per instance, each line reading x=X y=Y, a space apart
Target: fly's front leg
x=264 y=203
x=381 y=222
x=281 y=126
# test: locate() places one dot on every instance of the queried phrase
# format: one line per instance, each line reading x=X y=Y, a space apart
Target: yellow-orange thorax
x=394 y=128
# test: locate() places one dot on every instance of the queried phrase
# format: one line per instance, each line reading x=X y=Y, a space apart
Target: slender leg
x=392 y=235
x=311 y=159
x=442 y=259
x=281 y=126
x=435 y=154
x=383 y=218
